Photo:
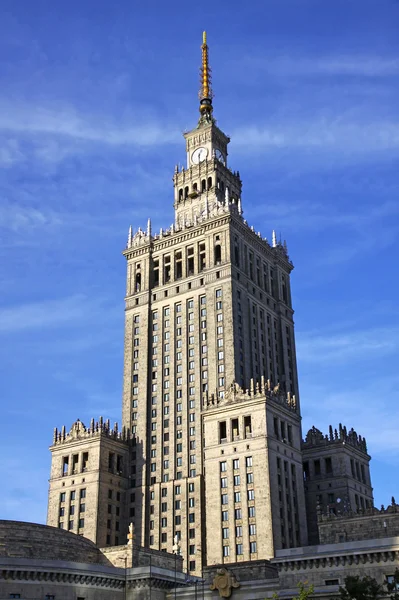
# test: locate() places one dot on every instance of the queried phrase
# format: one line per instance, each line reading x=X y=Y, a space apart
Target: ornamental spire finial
x=205 y=93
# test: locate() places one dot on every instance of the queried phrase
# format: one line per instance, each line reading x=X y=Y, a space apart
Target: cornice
x=38 y=575
x=343 y=558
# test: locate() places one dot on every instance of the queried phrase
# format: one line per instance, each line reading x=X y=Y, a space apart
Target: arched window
x=203 y=185
x=218 y=254
x=209 y=183
x=181 y=194
x=195 y=187
x=186 y=192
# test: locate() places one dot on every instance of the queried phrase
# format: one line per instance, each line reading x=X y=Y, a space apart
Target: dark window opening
x=236 y=255
x=111 y=457
x=234 y=429
x=317 y=469
x=137 y=285
x=119 y=464
x=85 y=461
x=201 y=258
x=222 y=432
x=218 y=254
x=178 y=265
x=75 y=461
x=328 y=462
x=203 y=185
x=190 y=261
x=156 y=273
x=209 y=183
x=166 y=270
x=247 y=427
x=65 y=465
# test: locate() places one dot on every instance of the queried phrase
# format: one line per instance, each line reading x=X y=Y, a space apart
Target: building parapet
x=96 y=428
x=264 y=388
x=347 y=513
x=211 y=210
x=333 y=555
x=315 y=438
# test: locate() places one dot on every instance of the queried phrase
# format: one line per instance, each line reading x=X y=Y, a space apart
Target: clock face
x=220 y=156
x=199 y=155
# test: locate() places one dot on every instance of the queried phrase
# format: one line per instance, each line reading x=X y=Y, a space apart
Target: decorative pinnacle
x=205 y=93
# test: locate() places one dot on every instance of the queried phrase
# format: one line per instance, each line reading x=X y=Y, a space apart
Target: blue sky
x=94 y=96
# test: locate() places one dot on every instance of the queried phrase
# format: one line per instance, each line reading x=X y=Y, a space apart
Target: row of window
x=231 y=430
x=238 y=531
x=71 y=524
x=205 y=185
x=261 y=273
x=237 y=497
x=282 y=430
x=238 y=513
x=240 y=549
x=72 y=495
x=77 y=463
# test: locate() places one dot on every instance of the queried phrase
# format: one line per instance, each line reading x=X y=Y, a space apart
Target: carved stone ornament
x=77 y=429
x=224 y=582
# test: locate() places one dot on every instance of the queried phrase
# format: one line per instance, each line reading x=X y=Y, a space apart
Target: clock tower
x=207 y=181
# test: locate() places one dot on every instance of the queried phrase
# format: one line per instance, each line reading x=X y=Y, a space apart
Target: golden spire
x=205 y=93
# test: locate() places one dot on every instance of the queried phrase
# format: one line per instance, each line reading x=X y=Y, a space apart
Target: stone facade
x=37 y=561
x=210 y=454
x=336 y=473
x=88 y=492
x=326 y=566
x=208 y=306
x=352 y=526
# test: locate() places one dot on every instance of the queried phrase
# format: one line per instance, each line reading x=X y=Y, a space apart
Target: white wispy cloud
x=48 y=313
x=10 y=153
x=29 y=120
x=25 y=218
x=328 y=65
x=355 y=345
x=365 y=406
x=340 y=135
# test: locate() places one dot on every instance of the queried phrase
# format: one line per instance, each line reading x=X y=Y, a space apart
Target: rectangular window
x=239 y=549
x=225 y=499
x=222 y=431
x=238 y=514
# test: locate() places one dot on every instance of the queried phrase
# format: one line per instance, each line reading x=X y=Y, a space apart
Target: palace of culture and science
x=210 y=456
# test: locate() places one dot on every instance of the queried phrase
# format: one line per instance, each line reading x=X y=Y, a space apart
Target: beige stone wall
x=324 y=489
x=89 y=488
x=322 y=565
x=371 y=524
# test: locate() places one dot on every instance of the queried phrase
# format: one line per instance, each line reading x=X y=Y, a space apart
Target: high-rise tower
x=210 y=380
